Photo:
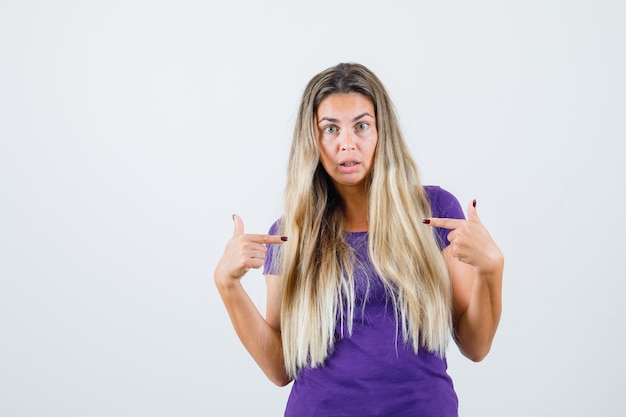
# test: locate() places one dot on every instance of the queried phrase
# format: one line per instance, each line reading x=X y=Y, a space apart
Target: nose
x=347 y=141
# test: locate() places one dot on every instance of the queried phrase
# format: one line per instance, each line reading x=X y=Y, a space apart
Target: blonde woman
x=368 y=271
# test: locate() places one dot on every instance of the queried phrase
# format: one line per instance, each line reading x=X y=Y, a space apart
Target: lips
x=349 y=166
x=348 y=162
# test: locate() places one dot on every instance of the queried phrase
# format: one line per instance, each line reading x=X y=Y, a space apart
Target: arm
x=260 y=338
x=475 y=266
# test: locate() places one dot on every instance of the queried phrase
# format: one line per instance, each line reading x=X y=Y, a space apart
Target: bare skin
x=259 y=337
x=347 y=137
x=475 y=265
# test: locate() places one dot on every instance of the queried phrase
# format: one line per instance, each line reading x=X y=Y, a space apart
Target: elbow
x=280 y=381
x=278 y=376
x=476 y=352
x=476 y=356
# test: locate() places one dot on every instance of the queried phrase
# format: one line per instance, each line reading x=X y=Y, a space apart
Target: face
x=347 y=137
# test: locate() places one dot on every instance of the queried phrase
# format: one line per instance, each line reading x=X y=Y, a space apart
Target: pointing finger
x=444 y=223
x=258 y=238
x=268 y=239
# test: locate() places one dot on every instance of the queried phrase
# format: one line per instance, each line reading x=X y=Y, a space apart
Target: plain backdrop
x=131 y=131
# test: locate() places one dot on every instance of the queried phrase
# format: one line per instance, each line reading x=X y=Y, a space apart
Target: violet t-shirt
x=373 y=372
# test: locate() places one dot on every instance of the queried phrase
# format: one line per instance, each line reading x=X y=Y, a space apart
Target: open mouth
x=349 y=164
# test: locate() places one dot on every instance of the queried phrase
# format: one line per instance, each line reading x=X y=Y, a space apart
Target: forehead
x=345 y=104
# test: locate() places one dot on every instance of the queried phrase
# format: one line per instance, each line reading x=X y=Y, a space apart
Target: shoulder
x=443 y=203
x=435 y=193
x=269 y=265
x=274 y=228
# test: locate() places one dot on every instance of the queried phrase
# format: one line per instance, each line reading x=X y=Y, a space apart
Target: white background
x=131 y=131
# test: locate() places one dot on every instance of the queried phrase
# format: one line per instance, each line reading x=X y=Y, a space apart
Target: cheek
x=372 y=151
x=324 y=156
x=327 y=148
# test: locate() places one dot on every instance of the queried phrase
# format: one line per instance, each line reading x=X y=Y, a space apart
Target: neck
x=356 y=206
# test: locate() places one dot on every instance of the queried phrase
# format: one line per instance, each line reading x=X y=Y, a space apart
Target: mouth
x=348 y=164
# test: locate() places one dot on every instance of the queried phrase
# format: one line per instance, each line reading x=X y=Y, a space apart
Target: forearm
x=476 y=327
x=262 y=341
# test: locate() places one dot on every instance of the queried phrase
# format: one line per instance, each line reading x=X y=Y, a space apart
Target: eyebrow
x=330 y=119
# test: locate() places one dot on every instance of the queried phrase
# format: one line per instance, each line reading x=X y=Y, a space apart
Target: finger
x=472 y=214
x=445 y=223
x=255 y=254
x=258 y=238
x=238 y=225
x=268 y=239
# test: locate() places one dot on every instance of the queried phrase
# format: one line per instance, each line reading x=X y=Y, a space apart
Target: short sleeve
x=269 y=266
x=443 y=205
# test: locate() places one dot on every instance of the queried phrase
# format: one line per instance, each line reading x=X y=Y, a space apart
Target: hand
x=243 y=251
x=470 y=241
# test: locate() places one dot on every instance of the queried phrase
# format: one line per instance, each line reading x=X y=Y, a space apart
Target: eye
x=362 y=126
x=330 y=129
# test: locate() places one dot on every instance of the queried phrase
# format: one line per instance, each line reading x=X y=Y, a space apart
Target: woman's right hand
x=243 y=252
x=261 y=339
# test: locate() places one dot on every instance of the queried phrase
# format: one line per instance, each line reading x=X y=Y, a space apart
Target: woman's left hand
x=475 y=265
x=470 y=241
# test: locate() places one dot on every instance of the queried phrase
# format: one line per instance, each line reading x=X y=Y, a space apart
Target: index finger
x=268 y=239
x=444 y=223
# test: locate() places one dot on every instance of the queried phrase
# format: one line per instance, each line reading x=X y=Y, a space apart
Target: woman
x=376 y=272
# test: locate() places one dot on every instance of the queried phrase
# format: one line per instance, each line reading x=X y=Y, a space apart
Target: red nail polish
x=426 y=221
x=474 y=203
x=283 y=238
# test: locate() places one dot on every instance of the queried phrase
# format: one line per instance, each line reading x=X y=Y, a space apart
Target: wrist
x=224 y=283
x=493 y=266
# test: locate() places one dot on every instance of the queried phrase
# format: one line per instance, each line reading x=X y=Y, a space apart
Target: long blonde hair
x=317 y=264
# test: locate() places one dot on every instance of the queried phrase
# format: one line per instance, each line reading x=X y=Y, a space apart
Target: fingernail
x=426 y=221
x=474 y=203
x=233 y=217
x=283 y=238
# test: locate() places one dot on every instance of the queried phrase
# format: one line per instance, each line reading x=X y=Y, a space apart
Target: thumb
x=472 y=214
x=238 y=225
